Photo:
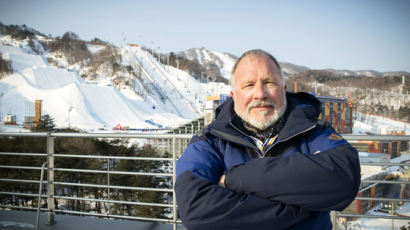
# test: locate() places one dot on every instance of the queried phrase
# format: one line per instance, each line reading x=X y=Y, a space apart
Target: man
x=265 y=162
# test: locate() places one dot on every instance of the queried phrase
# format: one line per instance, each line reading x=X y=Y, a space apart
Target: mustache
x=261 y=103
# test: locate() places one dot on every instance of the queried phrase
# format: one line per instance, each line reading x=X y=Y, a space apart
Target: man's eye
x=270 y=84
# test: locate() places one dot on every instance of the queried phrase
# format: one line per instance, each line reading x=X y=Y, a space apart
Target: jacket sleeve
x=203 y=204
x=327 y=178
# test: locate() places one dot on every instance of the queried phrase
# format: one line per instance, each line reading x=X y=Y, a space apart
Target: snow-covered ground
x=365 y=123
x=378 y=224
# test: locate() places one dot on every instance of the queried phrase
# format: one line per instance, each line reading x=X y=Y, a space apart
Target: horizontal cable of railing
x=112 y=172
x=22 y=181
x=115 y=187
x=373 y=216
x=19 y=167
x=90 y=156
x=182 y=136
x=21 y=194
x=363 y=137
x=115 y=201
x=106 y=215
x=24 y=154
x=90 y=185
x=382 y=199
x=386 y=181
x=116 y=216
x=384 y=164
x=89 y=171
x=114 y=157
x=21 y=207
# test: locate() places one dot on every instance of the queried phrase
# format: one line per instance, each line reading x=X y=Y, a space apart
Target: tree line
x=209 y=71
x=5 y=66
x=372 y=95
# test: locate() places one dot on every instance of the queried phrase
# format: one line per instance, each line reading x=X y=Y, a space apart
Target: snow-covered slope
x=206 y=58
x=94 y=104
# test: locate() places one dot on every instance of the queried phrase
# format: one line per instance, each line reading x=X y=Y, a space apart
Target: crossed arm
x=322 y=182
x=203 y=204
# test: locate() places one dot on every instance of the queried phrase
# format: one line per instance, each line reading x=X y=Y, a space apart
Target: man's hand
x=222 y=181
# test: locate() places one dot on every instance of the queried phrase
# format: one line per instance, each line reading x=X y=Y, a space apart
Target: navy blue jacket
x=309 y=171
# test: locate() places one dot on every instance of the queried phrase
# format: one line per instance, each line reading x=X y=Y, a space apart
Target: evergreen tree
x=46 y=123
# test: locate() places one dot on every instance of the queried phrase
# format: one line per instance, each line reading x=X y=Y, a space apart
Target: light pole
x=152 y=48
x=69 y=111
x=177 y=68
x=1 y=115
x=159 y=55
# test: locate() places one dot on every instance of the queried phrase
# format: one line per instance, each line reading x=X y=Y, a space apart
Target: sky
x=319 y=34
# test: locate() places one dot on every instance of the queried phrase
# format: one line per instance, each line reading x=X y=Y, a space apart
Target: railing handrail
x=99 y=135
x=181 y=136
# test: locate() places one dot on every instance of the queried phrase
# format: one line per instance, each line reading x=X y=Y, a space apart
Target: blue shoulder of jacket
x=324 y=137
x=202 y=159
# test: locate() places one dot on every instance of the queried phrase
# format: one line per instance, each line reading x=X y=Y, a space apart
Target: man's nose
x=259 y=91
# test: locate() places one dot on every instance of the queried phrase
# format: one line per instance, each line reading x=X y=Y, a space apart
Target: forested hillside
x=388 y=96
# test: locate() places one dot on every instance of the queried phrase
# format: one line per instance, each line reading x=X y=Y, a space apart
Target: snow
x=228 y=64
x=164 y=95
x=365 y=123
x=15 y=225
x=95 y=48
x=95 y=104
x=378 y=224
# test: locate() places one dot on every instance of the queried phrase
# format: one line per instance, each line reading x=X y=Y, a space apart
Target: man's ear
x=232 y=95
x=284 y=87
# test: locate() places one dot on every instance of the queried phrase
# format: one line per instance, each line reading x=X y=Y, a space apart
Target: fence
x=171 y=143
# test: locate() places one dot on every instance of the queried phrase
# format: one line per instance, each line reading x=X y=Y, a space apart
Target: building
x=10 y=119
x=338 y=112
x=29 y=122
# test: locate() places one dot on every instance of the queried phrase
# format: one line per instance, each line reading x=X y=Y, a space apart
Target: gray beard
x=262 y=125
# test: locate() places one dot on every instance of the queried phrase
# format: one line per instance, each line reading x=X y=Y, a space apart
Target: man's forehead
x=256 y=64
x=252 y=57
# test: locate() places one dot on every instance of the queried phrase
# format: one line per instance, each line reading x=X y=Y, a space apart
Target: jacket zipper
x=240 y=131
x=296 y=134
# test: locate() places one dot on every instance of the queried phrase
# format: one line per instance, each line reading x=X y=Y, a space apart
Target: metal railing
x=174 y=143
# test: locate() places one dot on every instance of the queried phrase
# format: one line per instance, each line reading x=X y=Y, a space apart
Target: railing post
x=392 y=213
x=50 y=179
x=108 y=183
x=333 y=218
x=40 y=193
x=174 y=176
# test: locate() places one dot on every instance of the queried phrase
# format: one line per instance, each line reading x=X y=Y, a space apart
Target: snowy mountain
x=215 y=62
x=155 y=96
x=367 y=73
x=221 y=63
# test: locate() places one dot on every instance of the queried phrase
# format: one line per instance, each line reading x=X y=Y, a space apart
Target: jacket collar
x=303 y=110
